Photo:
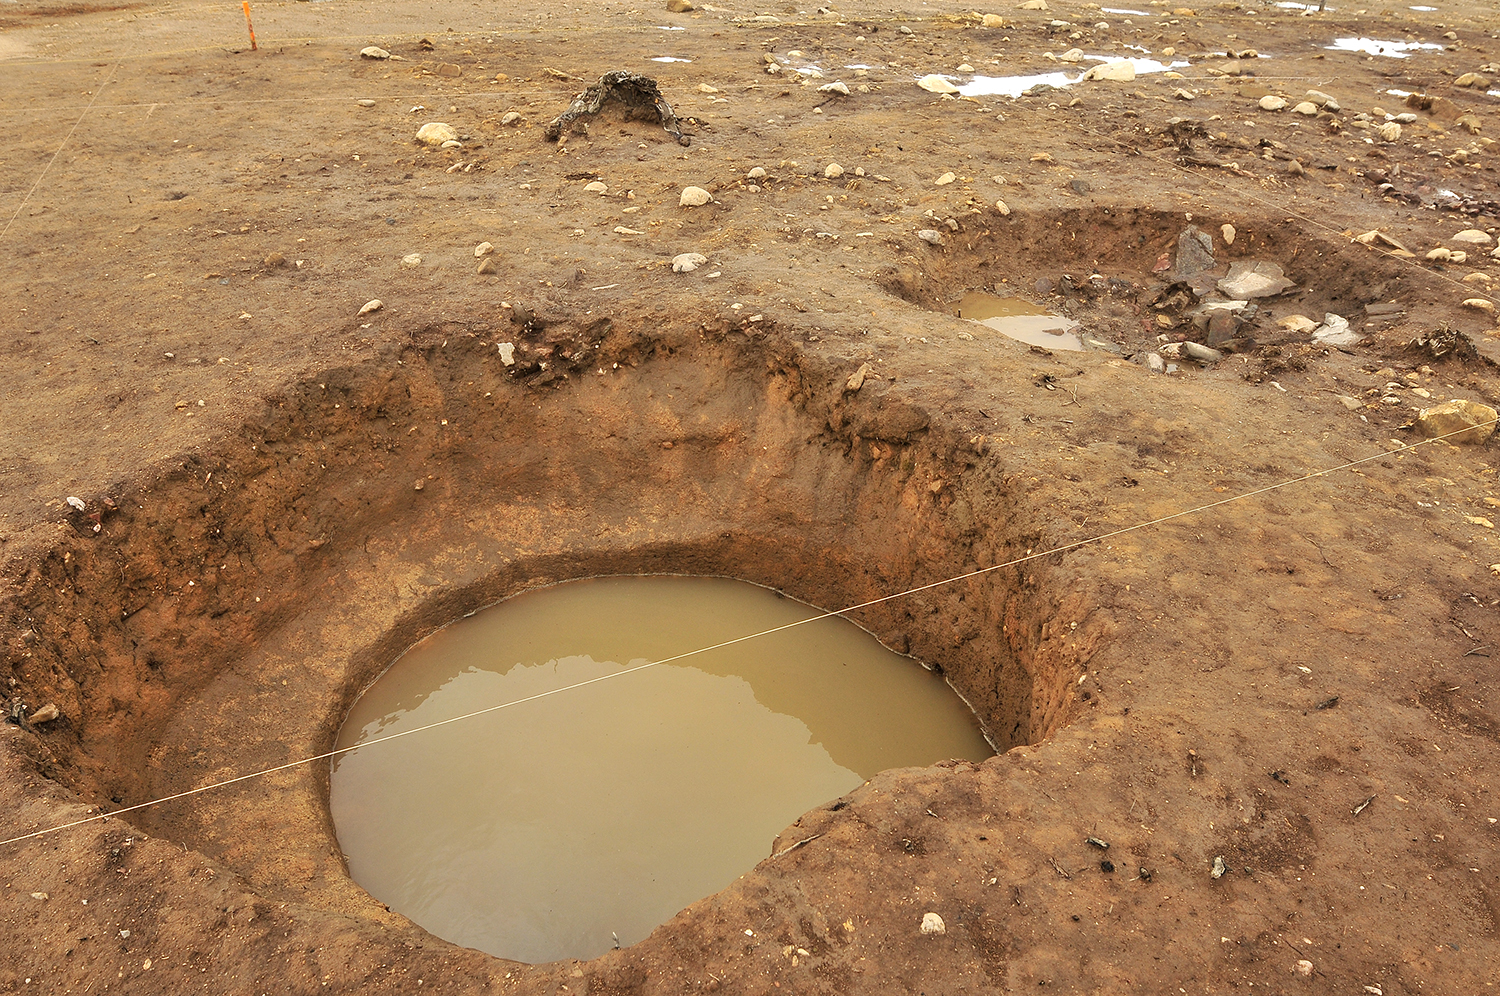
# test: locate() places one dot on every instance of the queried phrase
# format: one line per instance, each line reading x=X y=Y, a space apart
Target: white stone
x=688 y=262
x=1271 y=102
x=833 y=171
x=933 y=83
x=835 y=87
x=1389 y=132
x=374 y=52
x=694 y=197
x=370 y=306
x=945 y=179
x=1033 y=5
x=1228 y=232
x=596 y=187
x=992 y=21
x=508 y=353
x=1307 y=108
x=758 y=173
x=1304 y=967
x=1473 y=236
x=510 y=118
x=1002 y=207
x=452 y=143
x=1071 y=55
x=1120 y=71
x=411 y=260
x=931 y=236
x=1480 y=304
x=933 y=924
x=436 y=133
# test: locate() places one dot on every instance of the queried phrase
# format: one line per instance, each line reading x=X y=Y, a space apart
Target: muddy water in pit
x=542 y=831
x=1020 y=320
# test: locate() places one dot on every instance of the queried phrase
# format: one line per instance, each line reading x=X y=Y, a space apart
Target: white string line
x=752 y=636
x=27 y=199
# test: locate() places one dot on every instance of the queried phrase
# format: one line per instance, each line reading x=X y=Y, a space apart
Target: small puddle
x=668 y=58
x=546 y=830
x=1372 y=46
x=1020 y=320
x=1014 y=86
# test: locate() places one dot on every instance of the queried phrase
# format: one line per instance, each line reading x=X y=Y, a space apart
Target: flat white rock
x=688 y=262
x=374 y=52
x=694 y=197
x=436 y=133
x=933 y=83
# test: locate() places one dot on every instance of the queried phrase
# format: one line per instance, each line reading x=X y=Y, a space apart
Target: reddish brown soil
x=1299 y=682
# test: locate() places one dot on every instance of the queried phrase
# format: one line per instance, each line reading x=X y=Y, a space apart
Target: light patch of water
x=1020 y=320
x=1014 y=86
x=1124 y=10
x=670 y=27
x=1373 y=46
x=540 y=832
x=669 y=58
x=1425 y=10
x=1291 y=5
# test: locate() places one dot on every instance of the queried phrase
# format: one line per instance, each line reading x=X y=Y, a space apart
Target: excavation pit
x=617 y=790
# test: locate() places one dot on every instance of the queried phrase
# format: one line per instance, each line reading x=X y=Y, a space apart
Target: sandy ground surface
x=1300 y=683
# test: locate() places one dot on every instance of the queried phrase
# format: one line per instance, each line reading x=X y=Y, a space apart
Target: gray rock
x=1335 y=331
x=365 y=102
x=931 y=236
x=1200 y=352
x=46 y=713
x=1195 y=251
x=1250 y=279
x=1155 y=363
x=688 y=262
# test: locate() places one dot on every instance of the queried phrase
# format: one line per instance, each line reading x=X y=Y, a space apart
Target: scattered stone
x=1323 y=100
x=596 y=187
x=1471 y=79
x=1335 y=331
x=1306 y=108
x=419 y=484
x=1071 y=55
x=46 y=713
x=370 y=306
x=694 y=197
x=680 y=6
x=757 y=173
x=486 y=266
x=1353 y=404
x=411 y=260
x=1079 y=186
x=1467 y=421
x=1219 y=867
x=483 y=249
x=508 y=353
x=945 y=179
x=448 y=69
x=833 y=171
x=1478 y=278
x=964 y=68
x=933 y=83
x=1228 y=233
x=1120 y=71
x=1389 y=132
x=1195 y=252
x=931 y=922
x=857 y=378
x=931 y=236
x=274 y=260
x=436 y=133
x=1002 y=207
x=688 y=262
x=509 y=118
x=374 y=52
x=40 y=896
x=622 y=230
x=1200 y=352
x=1251 y=279
x=1304 y=967
x=452 y=143
x=1033 y=5
x=835 y=87
x=1441 y=255
x=365 y=102
x=1155 y=363
x=1473 y=236
x=1271 y=102
x=1480 y=304
x=992 y=21
x=903 y=30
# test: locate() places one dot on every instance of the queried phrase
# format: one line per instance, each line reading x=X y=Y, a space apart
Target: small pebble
x=933 y=924
x=483 y=249
x=365 y=102
x=510 y=118
x=370 y=306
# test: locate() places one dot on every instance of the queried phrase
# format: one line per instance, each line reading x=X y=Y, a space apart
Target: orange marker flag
x=246 y=5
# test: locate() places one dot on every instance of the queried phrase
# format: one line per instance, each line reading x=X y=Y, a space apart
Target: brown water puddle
x=1020 y=320
x=549 y=829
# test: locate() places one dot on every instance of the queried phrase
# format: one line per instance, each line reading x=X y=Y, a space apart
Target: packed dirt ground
x=234 y=487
